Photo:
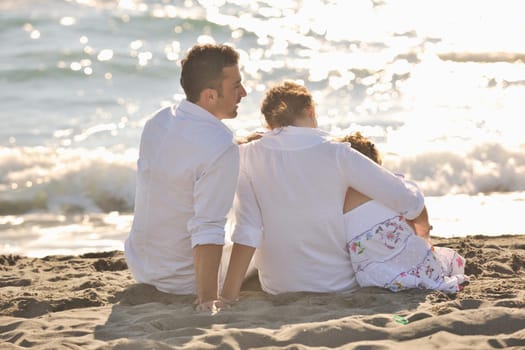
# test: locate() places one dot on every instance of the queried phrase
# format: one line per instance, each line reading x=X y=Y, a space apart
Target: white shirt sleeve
x=247 y=214
x=213 y=196
x=380 y=184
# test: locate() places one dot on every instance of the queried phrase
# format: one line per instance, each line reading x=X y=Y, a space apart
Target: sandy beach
x=92 y=302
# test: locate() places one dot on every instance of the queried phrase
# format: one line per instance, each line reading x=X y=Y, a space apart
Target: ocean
x=438 y=85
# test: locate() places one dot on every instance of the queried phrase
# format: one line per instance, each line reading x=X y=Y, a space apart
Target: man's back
x=176 y=154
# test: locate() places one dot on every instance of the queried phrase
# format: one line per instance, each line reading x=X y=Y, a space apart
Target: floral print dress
x=386 y=252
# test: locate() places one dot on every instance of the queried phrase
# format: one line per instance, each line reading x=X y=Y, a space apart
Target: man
x=187 y=172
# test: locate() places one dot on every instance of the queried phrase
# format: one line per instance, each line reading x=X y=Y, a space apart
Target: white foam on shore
x=463 y=215
x=39 y=235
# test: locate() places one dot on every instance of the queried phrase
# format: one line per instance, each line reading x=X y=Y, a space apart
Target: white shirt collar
x=292 y=138
x=195 y=112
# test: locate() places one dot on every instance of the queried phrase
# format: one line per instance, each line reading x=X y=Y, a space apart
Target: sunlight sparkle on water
x=35 y=34
x=105 y=55
x=144 y=58
x=68 y=21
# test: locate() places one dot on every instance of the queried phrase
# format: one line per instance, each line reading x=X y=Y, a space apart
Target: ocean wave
x=486 y=168
x=484 y=57
x=66 y=180
x=39 y=179
x=53 y=66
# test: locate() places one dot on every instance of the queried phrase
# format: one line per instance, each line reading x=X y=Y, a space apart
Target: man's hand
x=213 y=307
x=206 y=259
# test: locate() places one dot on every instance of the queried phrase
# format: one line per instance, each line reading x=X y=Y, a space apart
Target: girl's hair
x=363 y=145
x=284 y=103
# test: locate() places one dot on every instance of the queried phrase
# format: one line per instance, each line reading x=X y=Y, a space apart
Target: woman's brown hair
x=284 y=103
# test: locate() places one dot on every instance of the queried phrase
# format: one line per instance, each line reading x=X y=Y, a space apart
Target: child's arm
x=421 y=225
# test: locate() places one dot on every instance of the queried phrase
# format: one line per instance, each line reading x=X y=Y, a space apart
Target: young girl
x=387 y=250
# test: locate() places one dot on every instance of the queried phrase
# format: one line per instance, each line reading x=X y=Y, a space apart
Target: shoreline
x=43 y=234
x=91 y=301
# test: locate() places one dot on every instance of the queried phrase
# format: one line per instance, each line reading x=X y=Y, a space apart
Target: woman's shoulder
x=250 y=152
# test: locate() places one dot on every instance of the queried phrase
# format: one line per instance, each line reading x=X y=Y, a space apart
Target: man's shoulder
x=195 y=123
x=204 y=139
x=160 y=116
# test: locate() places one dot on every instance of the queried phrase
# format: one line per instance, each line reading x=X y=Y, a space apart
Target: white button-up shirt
x=187 y=173
x=289 y=204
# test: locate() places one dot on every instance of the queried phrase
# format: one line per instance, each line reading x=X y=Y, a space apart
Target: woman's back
x=299 y=189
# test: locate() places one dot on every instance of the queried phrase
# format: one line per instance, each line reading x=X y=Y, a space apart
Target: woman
x=289 y=200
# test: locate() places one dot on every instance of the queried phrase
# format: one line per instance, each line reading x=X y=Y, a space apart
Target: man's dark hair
x=202 y=68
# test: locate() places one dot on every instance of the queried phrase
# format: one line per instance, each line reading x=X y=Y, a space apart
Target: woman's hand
x=226 y=303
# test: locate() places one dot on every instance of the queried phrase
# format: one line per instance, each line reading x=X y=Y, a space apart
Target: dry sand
x=92 y=302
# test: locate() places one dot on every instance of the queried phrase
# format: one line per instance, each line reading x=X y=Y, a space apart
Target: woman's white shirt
x=289 y=201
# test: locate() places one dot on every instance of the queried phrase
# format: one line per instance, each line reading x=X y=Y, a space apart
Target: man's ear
x=207 y=98
x=210 y=95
